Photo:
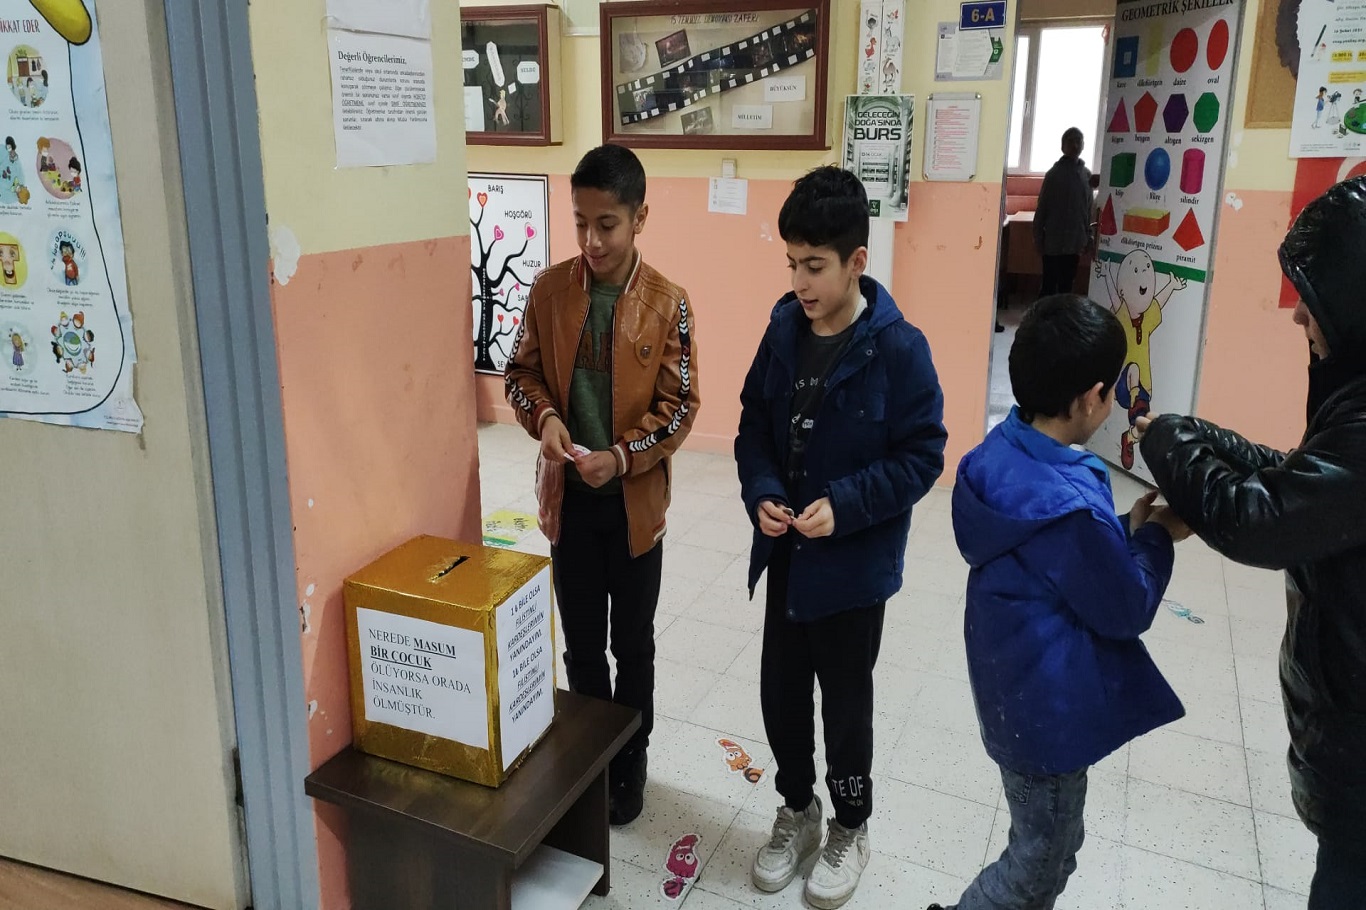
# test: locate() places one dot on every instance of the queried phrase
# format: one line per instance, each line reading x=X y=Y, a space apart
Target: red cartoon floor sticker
x=682 y=866
x=738 y=760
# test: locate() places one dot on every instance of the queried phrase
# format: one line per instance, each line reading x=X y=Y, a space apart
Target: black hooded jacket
x=1304 y=512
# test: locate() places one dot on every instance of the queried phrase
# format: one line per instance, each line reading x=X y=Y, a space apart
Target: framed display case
x=715 y=74
x=511 y=60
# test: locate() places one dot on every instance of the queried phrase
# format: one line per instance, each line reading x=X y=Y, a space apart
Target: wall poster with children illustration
x=66 y=332
x=1328 y=119
x=509 y=246
x=1166 y=128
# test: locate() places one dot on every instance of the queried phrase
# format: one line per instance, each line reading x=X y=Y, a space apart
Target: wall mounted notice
x=974 y=55
x=1329 y=119
x=526 y=666
x=954 y=123
x=877 y=147
x=509 y=246
x=381 y=99
x=423 y=676
x=66 y=335
x=1165 y=132
x=728 y=196
x=882 y=28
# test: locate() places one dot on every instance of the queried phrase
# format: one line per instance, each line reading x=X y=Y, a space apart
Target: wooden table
x=423 y=841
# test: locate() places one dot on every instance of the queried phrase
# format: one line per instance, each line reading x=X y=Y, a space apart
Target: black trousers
x=840 y=651
x=1059 y=275
x=1340 y=876
x=596 y=578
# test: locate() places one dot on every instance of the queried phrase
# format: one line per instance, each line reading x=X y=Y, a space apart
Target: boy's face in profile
x=607 y=230
x=824 y=285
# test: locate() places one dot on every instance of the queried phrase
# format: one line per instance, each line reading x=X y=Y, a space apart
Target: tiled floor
x=1193 y=817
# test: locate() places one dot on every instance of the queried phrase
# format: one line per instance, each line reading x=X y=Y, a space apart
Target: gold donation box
x=452 y=657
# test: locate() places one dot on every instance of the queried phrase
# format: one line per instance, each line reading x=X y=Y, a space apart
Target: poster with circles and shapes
x=66 y=341
x=1166 y=125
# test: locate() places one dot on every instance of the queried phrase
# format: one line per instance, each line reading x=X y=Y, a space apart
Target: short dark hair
x=613 y=169
x=1073 y=135
x=827 y=207
x=1065 y=345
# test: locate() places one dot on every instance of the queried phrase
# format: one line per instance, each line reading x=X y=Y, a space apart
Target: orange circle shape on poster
x=1185 y=48
x=1216 y=48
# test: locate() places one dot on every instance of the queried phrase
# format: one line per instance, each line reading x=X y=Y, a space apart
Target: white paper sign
x=412 y=18
x=752 y=116
x=474 y=109
x=784 y=88
x=423 y=676
x=528 y=72
x=728 y=196
x=526 y=666
x=382 y=99
x=1329 y=119
x=510 y=246
x=470 y=59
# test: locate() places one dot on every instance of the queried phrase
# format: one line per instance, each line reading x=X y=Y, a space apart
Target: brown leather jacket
x=654 y=385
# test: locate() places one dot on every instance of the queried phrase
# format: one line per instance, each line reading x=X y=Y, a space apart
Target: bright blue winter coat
x=876 y=448
x=1058 y=595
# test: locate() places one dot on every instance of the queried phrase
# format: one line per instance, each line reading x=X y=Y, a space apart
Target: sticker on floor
x=739 y=762
x=682 y=866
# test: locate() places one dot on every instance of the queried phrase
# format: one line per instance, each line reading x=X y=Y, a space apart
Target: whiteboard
x=953 y=123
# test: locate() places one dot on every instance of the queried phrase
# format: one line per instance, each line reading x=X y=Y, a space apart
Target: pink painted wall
x=734 y=268
x=381 y=446
x=1253 y=375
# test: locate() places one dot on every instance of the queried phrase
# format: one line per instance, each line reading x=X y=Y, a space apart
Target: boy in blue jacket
x=1059 y=591
x=841 y=432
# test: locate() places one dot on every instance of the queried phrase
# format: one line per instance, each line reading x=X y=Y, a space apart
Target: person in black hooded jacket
x=1304 y=512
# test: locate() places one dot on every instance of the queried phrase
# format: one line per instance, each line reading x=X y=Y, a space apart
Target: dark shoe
x=1000 y=328
x=626 y=793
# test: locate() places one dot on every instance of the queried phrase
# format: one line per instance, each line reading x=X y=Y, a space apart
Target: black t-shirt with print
x=816 y=359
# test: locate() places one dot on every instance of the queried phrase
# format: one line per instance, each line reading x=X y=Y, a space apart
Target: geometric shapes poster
x=510 y=246
x=66 y=334
x=1152 y=269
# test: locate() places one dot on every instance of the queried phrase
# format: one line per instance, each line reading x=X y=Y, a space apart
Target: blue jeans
x=1340 y=877
x=1047 y=828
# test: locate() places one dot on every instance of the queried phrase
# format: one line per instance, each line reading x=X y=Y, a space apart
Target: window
x=1059 y=83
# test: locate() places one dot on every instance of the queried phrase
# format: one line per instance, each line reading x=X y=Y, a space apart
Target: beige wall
x=116 y=718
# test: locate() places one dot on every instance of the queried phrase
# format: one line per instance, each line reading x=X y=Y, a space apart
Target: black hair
x=74 y=164
x=67 y=245
x=1073 y=135
x=1065 y=345
x=613 y=169
x=9 y=143
x=827 y=207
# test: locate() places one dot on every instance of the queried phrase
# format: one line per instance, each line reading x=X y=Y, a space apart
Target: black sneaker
x=626 y=788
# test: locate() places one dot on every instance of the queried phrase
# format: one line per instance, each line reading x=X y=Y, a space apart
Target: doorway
x=1058 y=84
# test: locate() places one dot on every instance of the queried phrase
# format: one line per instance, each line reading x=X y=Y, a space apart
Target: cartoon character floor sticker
x=738 y=760
x=1137 y=302
x=682 y=866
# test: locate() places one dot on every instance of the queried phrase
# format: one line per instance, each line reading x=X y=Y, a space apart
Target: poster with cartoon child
x=1167 y=120
x=1137 y=302
x=62 y=266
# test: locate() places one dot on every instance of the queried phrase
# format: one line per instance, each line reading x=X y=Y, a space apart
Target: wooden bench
x=423 y=841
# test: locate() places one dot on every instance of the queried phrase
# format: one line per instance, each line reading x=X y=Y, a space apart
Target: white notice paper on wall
x=752 y=117
x=381 y=99
x=412 y=18
x=423 y=676
x=526 y=666
x=728 y=196
x=785 y=88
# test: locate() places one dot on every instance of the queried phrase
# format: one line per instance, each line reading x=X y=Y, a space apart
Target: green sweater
x=590 y=391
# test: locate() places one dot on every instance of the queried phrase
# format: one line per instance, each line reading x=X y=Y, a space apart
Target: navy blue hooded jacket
x=1058 y=594
x=876 y=448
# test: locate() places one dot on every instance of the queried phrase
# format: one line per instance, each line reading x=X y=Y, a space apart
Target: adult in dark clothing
x=1304 y=512
x=1062 y=218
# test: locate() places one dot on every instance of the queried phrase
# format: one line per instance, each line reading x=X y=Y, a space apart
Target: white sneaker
x=796 y=838
x=842 y=862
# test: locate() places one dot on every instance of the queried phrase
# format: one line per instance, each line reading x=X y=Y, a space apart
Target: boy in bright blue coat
x=841 y=433
x=1060 y=589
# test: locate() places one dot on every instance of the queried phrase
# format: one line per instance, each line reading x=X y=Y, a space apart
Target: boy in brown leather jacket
x=603 y=374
